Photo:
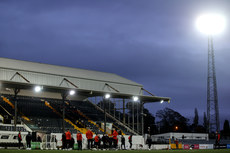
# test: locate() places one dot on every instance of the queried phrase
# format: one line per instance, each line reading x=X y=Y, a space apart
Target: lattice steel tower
x=212 y=98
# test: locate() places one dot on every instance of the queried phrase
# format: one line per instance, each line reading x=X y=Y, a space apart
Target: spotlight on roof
x=162 y=101
x=107 y=96
x=71 y=92
x=37 y=88
x=135 y=98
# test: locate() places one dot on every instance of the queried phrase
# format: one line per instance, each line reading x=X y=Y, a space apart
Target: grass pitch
x=118 y=151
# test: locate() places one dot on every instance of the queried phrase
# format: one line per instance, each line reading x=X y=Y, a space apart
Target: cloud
x=154 y=43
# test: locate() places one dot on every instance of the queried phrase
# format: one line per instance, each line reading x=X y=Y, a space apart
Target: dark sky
x=152 y=42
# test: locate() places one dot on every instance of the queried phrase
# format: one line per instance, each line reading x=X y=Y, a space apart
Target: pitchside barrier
x=35 y=145
x=174 y=146
x=228 y=146
x=8 y=139
x=196 y=146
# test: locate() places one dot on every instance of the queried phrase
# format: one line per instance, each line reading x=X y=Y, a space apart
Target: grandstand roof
x=63 y=71
x=24 y=74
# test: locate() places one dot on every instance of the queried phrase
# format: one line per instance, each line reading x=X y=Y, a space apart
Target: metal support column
x=16 y=91
x=133 y=114
x=64 y=95
x=123 y=111
x=142 y=118
x=137 y=118
x=104 y=116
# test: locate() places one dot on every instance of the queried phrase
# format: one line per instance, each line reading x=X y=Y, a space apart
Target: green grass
x=119 y=151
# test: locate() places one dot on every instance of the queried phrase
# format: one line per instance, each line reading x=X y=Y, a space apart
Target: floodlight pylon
x=212 y=97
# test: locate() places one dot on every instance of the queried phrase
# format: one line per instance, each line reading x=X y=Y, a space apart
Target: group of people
x=108 y=141
x=113 y=141
x=116 y=140
x=67 y=141
x=28 y=140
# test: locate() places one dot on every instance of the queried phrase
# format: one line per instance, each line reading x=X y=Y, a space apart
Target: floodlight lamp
x=161 y=101
x=135 y=98
x=107 y=96
x=37 y=88
x=176 y=128
x=71 y=92
x=211 y=24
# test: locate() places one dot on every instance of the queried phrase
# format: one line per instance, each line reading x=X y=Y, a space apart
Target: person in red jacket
x=96 y=141
x=115 y=138
x=89 y=136
x=68 y=138
x=19 y=139
x=130 y=141
x=217 y=139
x=79 y=140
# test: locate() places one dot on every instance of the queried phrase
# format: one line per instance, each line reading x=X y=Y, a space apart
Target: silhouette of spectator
x=28 y=140
x=79 y=140
x=19 y=139
x=130 y=141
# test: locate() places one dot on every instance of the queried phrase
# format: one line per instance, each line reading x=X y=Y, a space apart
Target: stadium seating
x=41 y=117
x=41 y=114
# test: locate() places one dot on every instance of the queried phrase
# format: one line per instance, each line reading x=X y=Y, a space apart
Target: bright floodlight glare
x=107 y=96
x=211 y=24
x=71 y=92
x=135 y=98
x=37 y=88
x=176 y=127
x=162 y=101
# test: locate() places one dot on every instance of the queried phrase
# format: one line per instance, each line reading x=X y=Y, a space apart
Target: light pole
x=211 y=24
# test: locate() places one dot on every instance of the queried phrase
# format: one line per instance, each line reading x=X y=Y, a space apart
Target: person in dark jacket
x=39 y=139
x=19 y=139
x=63 y=141
x=149 y=141
x=72 y=142
x=103 y=141
x=28 y=140
x=122 y=141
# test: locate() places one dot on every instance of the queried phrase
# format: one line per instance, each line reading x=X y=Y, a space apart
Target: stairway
x=13 y=107
x=116 y=120
x=90 y=121
x=82 y=130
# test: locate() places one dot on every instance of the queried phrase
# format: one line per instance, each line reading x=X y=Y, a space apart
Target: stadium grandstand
x=48 y=99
